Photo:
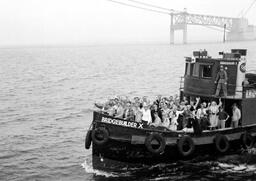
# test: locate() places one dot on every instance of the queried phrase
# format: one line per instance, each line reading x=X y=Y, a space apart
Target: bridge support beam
x=172 y=36
x=185 y=32
x=171 y=31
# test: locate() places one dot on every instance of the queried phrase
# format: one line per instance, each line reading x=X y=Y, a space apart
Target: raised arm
x=227 y=117
x=197 y=102
x=220 y=103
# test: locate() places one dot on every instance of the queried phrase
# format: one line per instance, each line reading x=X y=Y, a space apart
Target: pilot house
x=201 y=80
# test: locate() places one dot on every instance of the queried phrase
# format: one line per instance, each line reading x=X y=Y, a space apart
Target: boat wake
x=242 y=163
x=252 y=151
x=240 y=168
x=87 y=165
x=229 y=166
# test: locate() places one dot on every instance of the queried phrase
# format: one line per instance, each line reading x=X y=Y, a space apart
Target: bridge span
x=236 y=28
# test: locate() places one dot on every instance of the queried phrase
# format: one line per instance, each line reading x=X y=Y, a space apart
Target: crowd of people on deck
x=171 y=112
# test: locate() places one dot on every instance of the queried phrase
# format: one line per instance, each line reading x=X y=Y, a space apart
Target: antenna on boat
x=224 y=35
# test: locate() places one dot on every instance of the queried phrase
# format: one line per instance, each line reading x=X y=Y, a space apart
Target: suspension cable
x=243 y=12
x=146 y=9
x=154 y=6
x=249 y=8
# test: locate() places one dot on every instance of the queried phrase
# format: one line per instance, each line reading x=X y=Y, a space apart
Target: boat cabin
x=200 y=81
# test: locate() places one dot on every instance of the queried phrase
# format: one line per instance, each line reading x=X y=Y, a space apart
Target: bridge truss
x=179 y=21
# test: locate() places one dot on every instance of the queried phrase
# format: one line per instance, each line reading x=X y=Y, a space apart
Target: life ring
x=100 y=136
x=247 y=140
x=155 y=148
x=221 y=143
x=186 y=146
x=88 y=139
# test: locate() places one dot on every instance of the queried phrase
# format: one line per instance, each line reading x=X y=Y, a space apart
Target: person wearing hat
x=221 y=81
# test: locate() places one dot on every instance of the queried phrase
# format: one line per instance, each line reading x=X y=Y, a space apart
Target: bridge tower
x=181 y=25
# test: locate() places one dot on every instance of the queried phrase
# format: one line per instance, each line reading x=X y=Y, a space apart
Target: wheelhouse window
x=187 y=69
x=191 y=68
x=196 y=70
x=206 y=71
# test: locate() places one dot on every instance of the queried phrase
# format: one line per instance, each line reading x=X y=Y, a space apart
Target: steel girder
x=181 y=19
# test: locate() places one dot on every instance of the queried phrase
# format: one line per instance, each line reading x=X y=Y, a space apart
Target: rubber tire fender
x=247 y=138
x=104 y=134
x=88 y=139
x=186 y=140
x=219 y=140
x=159 y=138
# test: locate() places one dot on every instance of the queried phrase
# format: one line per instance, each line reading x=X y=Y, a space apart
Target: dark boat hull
x=126 y=143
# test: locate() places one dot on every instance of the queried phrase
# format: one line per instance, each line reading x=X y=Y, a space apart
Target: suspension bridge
x=234 y=28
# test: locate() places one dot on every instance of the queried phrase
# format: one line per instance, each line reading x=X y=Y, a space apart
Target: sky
x=91 y=22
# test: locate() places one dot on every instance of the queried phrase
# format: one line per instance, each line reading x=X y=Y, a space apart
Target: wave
x=75 y=114
x=232 y=168
x=252 y=151
x=182 y=170
x=89 y=169
x=160 y=178
x=10 y=155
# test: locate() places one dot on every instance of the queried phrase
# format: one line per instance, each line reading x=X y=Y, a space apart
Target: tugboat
x=117 y=141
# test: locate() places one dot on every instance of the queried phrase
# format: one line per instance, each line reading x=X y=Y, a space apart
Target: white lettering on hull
x=122 y=123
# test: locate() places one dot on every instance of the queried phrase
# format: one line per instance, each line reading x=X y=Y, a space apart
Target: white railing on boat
x=182 y=83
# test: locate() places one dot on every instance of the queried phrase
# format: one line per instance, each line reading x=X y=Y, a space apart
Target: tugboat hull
x=126 y=144
x=206 y=79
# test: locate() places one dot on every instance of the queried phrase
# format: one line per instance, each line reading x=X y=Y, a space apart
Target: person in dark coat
x=223 y=117
x=221 y=81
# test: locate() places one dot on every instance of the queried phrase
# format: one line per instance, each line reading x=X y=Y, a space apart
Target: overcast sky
x=51 y=22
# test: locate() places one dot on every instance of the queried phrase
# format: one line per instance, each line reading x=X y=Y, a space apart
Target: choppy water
x=46 y=98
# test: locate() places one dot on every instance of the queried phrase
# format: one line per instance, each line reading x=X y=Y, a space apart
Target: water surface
x=46 y=103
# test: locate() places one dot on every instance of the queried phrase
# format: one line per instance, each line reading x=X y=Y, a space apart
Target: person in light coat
x=214 y=109
x=236 y=116
x=146 y=114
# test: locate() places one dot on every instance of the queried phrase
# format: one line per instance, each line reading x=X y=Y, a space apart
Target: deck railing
x=181 y=83
x=249 y=91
